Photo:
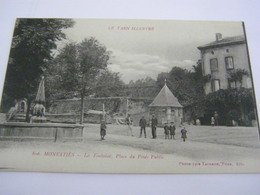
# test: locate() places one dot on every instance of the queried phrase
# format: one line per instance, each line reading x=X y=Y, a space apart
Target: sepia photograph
x=129 y=96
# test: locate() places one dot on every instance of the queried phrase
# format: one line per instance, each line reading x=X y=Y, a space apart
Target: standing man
x=154 y=123
x=128 y=121
x=172 y=130
x=184 y=134
x=142 y=124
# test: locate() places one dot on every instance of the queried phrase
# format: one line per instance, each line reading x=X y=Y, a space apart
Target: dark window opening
x=213 y=65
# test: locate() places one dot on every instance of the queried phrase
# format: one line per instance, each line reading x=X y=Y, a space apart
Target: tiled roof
x=165 y=98
x=224 y=41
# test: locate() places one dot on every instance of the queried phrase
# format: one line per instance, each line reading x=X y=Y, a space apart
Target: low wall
x=40 y=131
x=63 y=118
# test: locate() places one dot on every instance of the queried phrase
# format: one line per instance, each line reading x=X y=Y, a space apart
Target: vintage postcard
x=129 y=96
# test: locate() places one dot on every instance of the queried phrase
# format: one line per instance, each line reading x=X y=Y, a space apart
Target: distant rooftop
x=165 y=98
x=223 y=41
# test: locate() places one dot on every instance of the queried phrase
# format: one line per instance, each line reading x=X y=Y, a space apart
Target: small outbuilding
x=166 y=107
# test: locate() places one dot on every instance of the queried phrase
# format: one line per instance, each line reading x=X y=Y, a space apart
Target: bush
x=233 y=115
x=251 y=115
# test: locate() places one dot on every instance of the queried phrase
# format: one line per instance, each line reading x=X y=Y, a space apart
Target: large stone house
x=222 y=58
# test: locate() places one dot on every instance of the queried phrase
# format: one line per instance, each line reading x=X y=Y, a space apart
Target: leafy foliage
x=62 y=80
x=237 y=75
x=230 y=103
x=109 y=84
x=32 y=45
x=77 y=69
x=146 y=87
x=186 y=85
x=233 y=114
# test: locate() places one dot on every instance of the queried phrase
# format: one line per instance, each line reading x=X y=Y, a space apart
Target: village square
x=79 y=99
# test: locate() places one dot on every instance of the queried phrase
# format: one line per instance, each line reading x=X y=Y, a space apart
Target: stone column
x=169 y=114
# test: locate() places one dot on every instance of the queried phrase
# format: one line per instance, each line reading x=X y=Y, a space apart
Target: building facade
x=223 y=61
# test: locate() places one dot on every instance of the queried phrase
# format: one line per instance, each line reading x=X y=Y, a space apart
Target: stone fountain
x=39 y=128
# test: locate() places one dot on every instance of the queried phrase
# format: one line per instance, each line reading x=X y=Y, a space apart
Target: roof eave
x=220 y=45
x=166 y=106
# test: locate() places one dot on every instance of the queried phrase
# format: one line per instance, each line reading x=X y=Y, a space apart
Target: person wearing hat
x=154 y=123
x=142 y=124
x=172 y=130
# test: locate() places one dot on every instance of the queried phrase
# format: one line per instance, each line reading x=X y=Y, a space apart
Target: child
x=166 y=130
x=103 y=128
x=212 y=121
x=184 y=134
x=172 y=130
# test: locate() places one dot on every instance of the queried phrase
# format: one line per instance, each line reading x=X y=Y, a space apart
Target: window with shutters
x=229 y=63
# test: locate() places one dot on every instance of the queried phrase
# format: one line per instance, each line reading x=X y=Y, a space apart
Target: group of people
x=143 y=124
x=169 y=129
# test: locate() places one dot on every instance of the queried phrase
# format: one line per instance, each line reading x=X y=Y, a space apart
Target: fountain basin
x=19 y=131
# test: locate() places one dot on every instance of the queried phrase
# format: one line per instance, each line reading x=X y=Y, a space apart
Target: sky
x=142 y=48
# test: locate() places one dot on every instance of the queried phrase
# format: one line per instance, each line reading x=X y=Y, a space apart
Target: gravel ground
x=120 y=153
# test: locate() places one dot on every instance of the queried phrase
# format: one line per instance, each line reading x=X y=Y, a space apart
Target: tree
x=109 y=84
x=228 y=101
x=237 y=75
x=62 y=74
x=179 y=82
x=187 y=86
x=93 y=56
x=146 y=87
x=77 y=68
x=32 y=45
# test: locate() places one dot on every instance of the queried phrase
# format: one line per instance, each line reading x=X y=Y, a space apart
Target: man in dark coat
x=142 y=124
x=172 y=130
x=154 y=123
x=184 y=134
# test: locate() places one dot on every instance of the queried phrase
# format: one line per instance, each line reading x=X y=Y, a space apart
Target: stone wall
x=68 y=111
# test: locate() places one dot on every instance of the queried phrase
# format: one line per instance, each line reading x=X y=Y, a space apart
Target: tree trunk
x=82 y=105
x=27 y=118
x=242 y=114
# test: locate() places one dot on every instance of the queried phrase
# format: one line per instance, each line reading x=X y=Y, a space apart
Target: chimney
x=218 y=36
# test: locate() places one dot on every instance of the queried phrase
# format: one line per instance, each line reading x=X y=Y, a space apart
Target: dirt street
x=209 y=149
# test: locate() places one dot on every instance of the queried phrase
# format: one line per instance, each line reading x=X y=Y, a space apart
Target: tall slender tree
x=93 y=56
